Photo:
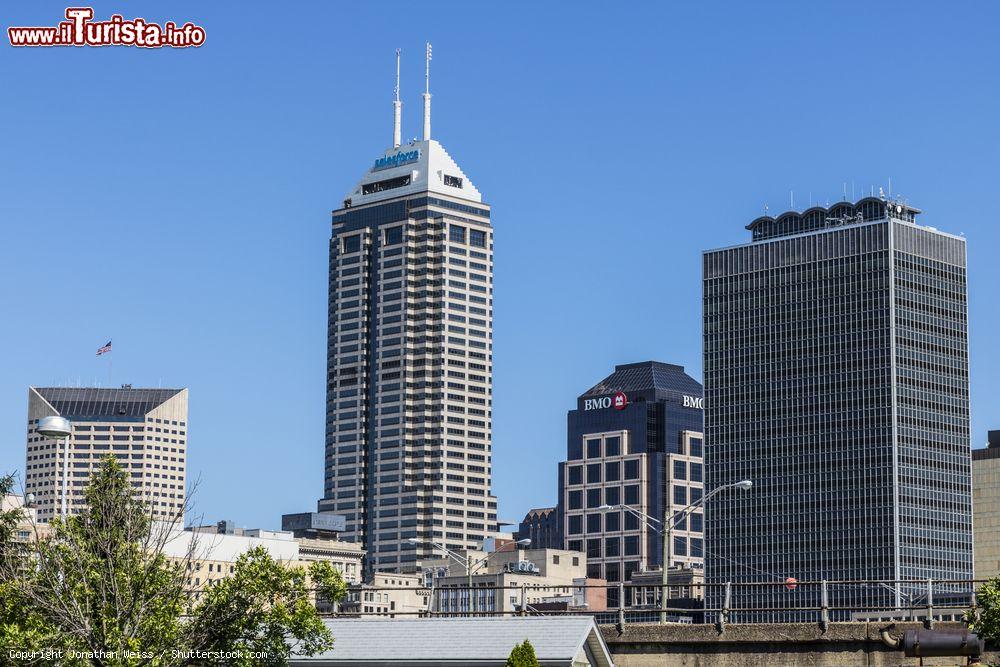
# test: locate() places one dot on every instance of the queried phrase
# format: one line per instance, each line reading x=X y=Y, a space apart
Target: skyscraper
x=144 y=429
x=634 y=439
x=410 y=356
x=836 y=378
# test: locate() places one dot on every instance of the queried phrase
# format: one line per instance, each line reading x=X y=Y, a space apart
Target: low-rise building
x=389 y=594
x=986 y=508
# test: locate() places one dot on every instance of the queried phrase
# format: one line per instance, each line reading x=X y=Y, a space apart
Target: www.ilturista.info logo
x=80 y=30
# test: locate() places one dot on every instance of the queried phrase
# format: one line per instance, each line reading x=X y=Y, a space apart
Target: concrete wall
x=766 y=645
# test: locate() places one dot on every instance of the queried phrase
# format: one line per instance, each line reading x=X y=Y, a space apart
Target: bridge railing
x=819 y=601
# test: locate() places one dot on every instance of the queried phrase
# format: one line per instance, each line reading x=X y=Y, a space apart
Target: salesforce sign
x=398 y=159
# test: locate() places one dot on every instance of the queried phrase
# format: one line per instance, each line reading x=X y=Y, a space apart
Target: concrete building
x=410 y=358
x=389 y=594
x=144 y=429
x=504 y=580
x=836 y=379
x=634 y=439
x=214 y=549
x=986 y=507
x=541 y=526
x=28 y=528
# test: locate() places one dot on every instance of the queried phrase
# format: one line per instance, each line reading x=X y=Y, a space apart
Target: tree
x=985 y=620
x=102 y=584
x=523 y=655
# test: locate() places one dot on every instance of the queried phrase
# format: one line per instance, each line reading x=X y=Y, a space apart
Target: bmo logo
x=694 y=402
x=619 y=401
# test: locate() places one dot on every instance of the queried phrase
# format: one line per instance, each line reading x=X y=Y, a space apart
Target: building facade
x=836 y=379
x=410 y=358
x=635 y=440
x=541 y=526
x=144 y=429
x=986 y=507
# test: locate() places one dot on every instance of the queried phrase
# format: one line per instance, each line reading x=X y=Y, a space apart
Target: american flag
x=106 y=348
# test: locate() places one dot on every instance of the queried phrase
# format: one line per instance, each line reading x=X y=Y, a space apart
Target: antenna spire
x=397 y=111
x=427 y=93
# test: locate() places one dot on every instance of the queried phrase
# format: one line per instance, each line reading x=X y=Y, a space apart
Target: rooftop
x=94 y=403
x=557 y=640
x=644 y=376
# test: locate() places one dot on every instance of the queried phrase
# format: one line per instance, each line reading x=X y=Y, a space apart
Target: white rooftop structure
x=559 y=641
x=424 y=163
x=223 y=547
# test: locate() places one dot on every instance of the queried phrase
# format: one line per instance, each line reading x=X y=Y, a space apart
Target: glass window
x=575 y=499
x=613 y=495
x=352 y=243
x=695 y=472
x=696 y=547
x=612 y=522
x=695 y=494
x=593 y=473
x=680 y=523
x=631 y=545
x=611 y=574
x=632 y=469
x=393 y=235
x=576 y=474
x=631 y=521
x=593 y=523
x=594 y=497
x=594 y=449
x=611 y=546
x=612 y=446
x=477 y=238
x=680 y=469
x=632 y=494
x=456 y=233
x=574 y=545
x=696 y=447
x=612 y=471
x=594 y=547
x=680 y=495
x=680 y=546
x=696 y=523
x=575 y=524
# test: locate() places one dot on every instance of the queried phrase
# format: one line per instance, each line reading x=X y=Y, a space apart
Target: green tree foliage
x=523 y=655
x=985 y=620
x=102 y=585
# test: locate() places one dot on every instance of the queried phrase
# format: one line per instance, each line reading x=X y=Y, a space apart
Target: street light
x=58 y=427
x=466 y=561
x=670 y=519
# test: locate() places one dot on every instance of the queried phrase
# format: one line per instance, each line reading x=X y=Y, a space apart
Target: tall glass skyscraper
x=836 y=378
x=410 y=358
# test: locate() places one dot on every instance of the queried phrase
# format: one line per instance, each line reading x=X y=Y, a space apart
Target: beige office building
x=986 y=508
x=410 y=358
x=144 y=429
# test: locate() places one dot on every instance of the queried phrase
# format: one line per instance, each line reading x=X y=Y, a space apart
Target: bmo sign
x=619 y=401
x=693 y=402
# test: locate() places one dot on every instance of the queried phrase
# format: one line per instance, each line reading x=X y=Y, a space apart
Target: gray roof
x=646 y=375
x=458 y=641
x=91 y=402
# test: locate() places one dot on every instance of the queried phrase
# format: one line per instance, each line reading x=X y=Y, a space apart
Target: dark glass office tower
x=635 y=438
x=836 y=378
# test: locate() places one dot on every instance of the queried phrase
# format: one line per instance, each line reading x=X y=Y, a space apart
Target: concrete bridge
x=843 y=644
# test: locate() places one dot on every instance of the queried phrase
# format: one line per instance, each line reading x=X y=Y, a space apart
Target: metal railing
x=819 y=601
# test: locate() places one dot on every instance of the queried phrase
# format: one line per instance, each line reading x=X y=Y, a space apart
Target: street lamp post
x=59 y=427
x=670 y=519
x=465 y=561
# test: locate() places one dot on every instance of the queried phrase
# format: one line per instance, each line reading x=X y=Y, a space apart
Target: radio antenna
x=427 y=93
x=397 y=111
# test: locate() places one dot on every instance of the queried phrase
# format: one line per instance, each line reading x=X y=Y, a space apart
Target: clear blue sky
x=178 y=201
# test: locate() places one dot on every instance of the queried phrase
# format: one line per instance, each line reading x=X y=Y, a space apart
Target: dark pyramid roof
x=93 y=403
x=644 y=376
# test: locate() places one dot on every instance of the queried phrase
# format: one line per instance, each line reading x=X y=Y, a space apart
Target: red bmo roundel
x=619 y=401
